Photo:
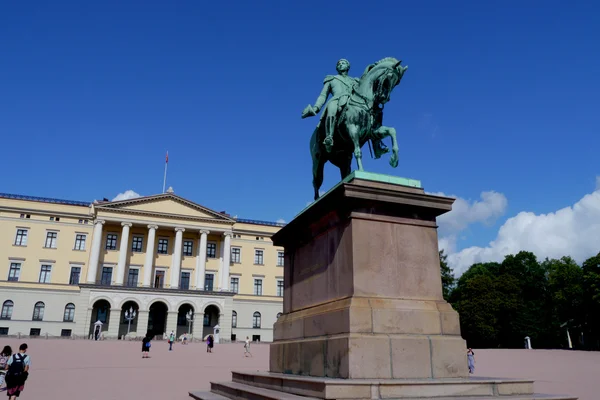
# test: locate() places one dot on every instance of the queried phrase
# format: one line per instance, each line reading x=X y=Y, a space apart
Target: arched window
x=278 y=315
x=256 y=320
x=7 y=308
x=69 y=312
x=38 y=311
x=234 y=320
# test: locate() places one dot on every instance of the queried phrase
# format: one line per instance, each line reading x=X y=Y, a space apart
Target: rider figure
x=340 y=87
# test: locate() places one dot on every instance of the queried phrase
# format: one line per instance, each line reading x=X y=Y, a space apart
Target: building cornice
x=155 y=290
x=161 y=215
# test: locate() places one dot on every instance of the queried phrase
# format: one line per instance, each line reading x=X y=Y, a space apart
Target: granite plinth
x=362 y=287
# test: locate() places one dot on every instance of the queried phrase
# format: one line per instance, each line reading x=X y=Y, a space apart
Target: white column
x=176 y=267
x=226 y=261
x=149 y=262
x=201 y=261
x=95 y=253
x=123 y=249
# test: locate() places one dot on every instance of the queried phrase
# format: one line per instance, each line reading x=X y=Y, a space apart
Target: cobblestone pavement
x=81 y=369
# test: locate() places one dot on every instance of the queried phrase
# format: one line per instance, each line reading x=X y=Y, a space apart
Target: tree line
x=550 y=301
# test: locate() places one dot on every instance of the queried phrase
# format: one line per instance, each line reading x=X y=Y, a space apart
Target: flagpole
x=165 y=178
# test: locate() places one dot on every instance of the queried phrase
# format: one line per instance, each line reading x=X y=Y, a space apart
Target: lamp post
x=129 y=316
x=189 y=317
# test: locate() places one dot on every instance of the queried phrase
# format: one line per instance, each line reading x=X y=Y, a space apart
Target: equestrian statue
x=353 y=116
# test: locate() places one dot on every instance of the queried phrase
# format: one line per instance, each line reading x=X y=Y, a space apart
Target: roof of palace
x=88 y=203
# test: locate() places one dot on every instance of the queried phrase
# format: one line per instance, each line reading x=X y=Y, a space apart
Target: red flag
x=167 y=158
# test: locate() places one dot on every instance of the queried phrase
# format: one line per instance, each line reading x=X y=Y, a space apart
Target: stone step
x=240 y=391
x=207 y=396
x=327 y=388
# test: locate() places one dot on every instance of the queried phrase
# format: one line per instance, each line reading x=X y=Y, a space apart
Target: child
x=4 y=356
x=146 y=345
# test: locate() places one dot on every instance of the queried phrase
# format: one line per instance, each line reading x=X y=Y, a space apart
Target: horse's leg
x=346 y=168
x=318 y=163
x=385 y=131
x=353 y=132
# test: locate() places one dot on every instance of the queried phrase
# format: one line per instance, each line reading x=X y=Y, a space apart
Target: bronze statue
x=353 y=116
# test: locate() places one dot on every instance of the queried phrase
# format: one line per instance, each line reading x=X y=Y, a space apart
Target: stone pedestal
x=363 y=312
x=363 y=294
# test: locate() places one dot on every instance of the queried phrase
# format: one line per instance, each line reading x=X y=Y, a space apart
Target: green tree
x=447 y=276
x=590 y=325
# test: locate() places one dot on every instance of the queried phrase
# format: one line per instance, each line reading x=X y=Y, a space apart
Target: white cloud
x=281 y=221
x=126 y=195
x=572 y=231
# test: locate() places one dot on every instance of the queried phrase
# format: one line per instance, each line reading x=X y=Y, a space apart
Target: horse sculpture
x=359 y=120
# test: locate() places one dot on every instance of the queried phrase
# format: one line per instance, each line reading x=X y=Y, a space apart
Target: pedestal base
x=271 y=386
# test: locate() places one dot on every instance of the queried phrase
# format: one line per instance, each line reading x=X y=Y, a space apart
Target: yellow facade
x=91 y=252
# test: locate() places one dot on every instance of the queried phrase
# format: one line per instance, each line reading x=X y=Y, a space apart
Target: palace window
x=7 y=309
x=235 y=285
x=185 y=281
x=80 y=241
x=208 y=282
x=163 y=246
x=21 y=238
x=211 y=250
x=132 y=277
x=38 y=311
x=234 y=320
x=256 y=320
x=236 y=255
x=136 y=244
x=258 y=287
x=69 y=313
x=75 y=273
x=159 y=279
x=280 y=258
x=14 y=272
x=259 y=257
x=188 y=247
x=45 y=272
x=106 y=276
x=280 y=288
x=35 y=332
x=111 y=241
x=51 y=240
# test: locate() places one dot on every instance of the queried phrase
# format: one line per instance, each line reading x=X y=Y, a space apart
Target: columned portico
x=149 y=261
x=123 y=249
x=226 y=260
x=95 y=252
x=201 y=261
x=176 y=267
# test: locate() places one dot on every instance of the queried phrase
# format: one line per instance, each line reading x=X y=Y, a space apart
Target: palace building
x=65 y=265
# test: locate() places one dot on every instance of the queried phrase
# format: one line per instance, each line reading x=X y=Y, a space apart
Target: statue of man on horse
x=353 y=116
x=340 y=87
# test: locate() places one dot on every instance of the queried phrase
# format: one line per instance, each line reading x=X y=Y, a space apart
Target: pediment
x=166 y=204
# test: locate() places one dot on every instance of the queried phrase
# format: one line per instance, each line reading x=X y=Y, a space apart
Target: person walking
x=4 y=356
x=171 y=340
x=17 y=372
x=146 y=344
x=471 y=360
x=210 y=342
x=247 y=347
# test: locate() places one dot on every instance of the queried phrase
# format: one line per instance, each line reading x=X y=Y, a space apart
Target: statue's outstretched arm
x=323 y=96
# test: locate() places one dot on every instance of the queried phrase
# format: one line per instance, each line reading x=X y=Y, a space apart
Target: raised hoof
x=328 y=143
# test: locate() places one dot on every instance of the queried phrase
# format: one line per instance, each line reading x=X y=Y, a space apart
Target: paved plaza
x=70 y=369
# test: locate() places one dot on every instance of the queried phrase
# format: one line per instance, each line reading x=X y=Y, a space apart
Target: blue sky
x=499 y=96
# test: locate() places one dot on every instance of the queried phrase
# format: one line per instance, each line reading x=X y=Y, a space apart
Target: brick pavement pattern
x=111 y=370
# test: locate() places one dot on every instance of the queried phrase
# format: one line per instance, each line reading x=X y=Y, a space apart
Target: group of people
x=147 y=342
x=14 y=370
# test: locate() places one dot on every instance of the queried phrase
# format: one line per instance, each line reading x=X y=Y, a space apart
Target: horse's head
x=383 y=76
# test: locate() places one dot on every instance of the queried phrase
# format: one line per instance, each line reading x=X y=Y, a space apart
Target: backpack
x=17 y=367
